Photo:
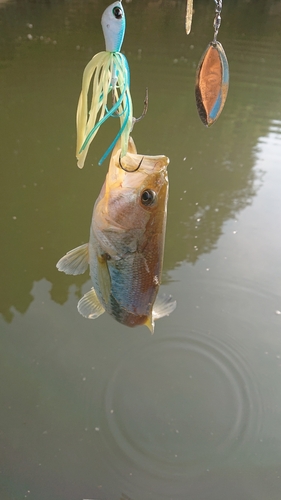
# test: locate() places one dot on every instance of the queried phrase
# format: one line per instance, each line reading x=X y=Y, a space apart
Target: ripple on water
x=179 y=405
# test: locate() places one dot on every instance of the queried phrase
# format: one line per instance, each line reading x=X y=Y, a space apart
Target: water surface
x=94 y=410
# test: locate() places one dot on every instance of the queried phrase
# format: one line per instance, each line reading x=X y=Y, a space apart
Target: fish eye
x=148 y=197
x=117 y=12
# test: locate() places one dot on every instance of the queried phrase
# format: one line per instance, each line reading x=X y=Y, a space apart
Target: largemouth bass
x=126 y=245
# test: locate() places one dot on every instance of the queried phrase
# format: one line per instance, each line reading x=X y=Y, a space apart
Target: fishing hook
x=130 y=170
x=145 y=108
x=135 y=120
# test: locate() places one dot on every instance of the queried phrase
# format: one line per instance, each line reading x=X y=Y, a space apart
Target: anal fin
x=75 y=261
x=89 y=306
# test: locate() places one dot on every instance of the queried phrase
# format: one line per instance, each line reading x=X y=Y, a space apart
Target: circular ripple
x=181 y=403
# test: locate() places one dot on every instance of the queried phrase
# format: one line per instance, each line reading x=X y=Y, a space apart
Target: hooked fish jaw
x=133 y=162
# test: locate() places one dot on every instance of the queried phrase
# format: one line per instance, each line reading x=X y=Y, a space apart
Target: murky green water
x=94 y=410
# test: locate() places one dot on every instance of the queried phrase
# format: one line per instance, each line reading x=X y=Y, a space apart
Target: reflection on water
x=92 y=409
x=3 y=2
x=148 y=416
x=201 y=376
x=210 y=182
x=125 y=497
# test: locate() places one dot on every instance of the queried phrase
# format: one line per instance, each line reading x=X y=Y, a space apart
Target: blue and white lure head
x=113 y=25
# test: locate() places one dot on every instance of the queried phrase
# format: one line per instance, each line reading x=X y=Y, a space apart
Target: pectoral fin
x=89 y=306
x=104 y=277
x=75 y=261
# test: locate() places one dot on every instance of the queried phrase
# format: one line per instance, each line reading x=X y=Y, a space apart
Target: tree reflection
x=47 y=203
x=125 y=497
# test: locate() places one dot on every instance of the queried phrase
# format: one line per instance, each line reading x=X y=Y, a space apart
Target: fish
x=126 y=244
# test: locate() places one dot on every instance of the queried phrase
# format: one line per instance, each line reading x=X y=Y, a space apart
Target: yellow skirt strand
x=107 y=72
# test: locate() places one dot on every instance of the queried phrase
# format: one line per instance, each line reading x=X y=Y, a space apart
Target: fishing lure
x=188 y=17
x=212 y=77
x=107 y=72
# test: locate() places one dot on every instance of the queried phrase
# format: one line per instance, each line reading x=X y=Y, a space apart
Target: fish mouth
x=132 y=162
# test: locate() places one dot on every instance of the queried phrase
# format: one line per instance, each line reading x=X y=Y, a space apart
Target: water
x=94 y=410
